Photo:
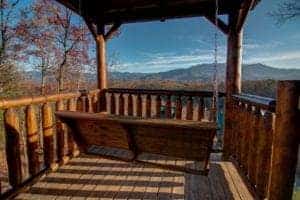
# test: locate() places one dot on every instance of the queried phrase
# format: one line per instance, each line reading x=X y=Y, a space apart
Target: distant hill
x=200 y=73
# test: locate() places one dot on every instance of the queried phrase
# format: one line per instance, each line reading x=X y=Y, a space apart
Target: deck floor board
x=92 y=177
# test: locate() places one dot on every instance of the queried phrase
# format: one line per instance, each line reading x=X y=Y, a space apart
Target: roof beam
x=243 y=13
x=91 y=26
x=221 y=25
x=112 y=31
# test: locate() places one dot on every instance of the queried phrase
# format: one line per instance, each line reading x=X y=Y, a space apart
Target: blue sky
x=162 y=46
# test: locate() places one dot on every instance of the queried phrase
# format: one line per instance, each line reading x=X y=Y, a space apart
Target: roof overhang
x=131 y=11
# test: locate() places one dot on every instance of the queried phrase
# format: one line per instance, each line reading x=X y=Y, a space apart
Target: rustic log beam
x=243 y=13
x=101 y=57
x=113 y=30
x=286 y=141
x=91 y=26
x=222 y=26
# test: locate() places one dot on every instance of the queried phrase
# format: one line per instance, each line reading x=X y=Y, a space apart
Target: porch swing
x=131 y=138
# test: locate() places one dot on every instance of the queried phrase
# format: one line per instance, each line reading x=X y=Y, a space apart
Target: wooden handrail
x=164 y=92
x=10 y=103
x=259 y=101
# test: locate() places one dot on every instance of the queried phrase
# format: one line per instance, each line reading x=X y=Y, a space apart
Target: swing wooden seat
x=179 y=139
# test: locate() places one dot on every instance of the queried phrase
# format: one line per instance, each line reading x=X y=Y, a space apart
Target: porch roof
x=109 y=12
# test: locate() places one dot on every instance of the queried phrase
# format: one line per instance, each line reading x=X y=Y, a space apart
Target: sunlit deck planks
x=90 y=177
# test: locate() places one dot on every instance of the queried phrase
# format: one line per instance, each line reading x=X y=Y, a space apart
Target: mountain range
x=200 y=73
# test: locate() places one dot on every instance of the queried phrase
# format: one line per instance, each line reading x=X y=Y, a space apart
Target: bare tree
x=288 y=10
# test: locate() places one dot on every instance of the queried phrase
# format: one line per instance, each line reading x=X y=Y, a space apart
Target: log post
x=34 y=150
x=101 y=62
x=233 y=76
x=13 y=149
x=130 y=105
x=286 y=141
x=48 y=134
x=73 y=148
x=61 y=129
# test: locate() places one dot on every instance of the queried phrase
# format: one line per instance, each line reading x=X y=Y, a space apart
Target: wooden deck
x=92 y=177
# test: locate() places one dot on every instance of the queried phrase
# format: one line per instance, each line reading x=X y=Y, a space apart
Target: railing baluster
x=82 y=103
x=48 y=134
x=90 y=107
x=61 y=129
x=139 y=105
x=121 y=104
x=148 y=106
x=178 y=108
x=33 y=143
x=73 y=148
x=264 y=149
x=200 y=109
x=130 y=105
x=189 y=108
x=168 y=107
x=13 y=149
x=253 y=141
x=245 y=152
x=112 y=104
x=158 y=106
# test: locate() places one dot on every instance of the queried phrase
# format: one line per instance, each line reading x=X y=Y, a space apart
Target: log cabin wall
x=35 y=141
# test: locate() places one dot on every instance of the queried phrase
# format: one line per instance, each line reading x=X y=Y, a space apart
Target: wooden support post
x=233 y=76
x=34 y=150
x=286 y=141
x=82 y=102
x=61 y=129
x=130 y=105
x=101 y=62
x=48 y=134
x=13 y=149
x=73 y=148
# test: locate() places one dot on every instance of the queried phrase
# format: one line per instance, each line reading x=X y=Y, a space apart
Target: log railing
x=177 y=104
x=262 y=137
x=252 y=119
x=35 y=141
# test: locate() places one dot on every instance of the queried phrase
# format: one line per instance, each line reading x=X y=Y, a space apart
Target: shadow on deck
x=90 y=177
